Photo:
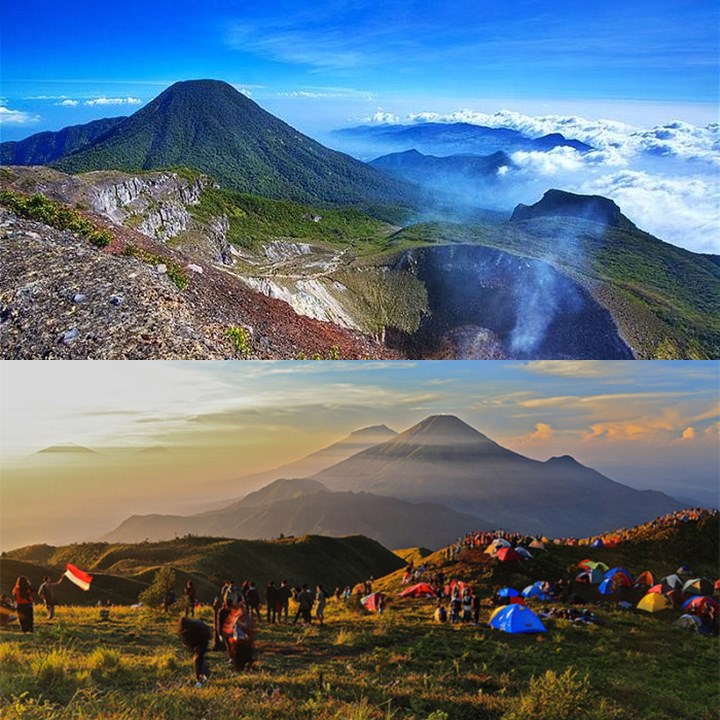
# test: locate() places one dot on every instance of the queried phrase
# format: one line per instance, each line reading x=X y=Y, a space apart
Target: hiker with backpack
x=305 y=600
x=47 y=594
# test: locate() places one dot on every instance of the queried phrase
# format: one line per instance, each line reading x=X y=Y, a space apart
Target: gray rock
x=161 y=268
x=116 y=300
x=79 y=297
x=69 y=335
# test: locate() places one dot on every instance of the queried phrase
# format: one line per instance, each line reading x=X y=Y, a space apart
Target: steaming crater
x=487 y=304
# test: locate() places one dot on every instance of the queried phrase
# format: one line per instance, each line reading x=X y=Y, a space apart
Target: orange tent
x=645 y=578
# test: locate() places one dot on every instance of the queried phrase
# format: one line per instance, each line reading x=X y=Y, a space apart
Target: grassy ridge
x=208 y=561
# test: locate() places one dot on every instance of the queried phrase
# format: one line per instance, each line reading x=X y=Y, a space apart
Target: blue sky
x=329 y=63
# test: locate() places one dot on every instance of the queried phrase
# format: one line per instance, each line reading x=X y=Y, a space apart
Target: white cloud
x=16 y=117
x=102 y=100
x=664 y=178
x=68 y=103
x=682 y=210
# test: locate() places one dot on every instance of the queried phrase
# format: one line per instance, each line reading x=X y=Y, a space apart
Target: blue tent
x=607 y=587
x=534 y=591
x=517 y=619
x=507 y=593
x=597 y=543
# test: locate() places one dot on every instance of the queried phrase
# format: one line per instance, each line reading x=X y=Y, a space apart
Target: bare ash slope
x=62 y=298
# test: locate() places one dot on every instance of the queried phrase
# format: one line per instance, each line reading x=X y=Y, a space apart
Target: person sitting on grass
x=440 y=612
x=195 y=635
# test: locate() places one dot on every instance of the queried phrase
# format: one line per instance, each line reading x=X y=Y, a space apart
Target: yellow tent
x=654 y=602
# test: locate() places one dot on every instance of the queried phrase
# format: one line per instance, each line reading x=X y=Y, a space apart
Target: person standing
x=283 y=601
x=47 y=593
x=253 y=600
x=271 y=599
x=190 y=598
x=22 y=593
x=321 y=597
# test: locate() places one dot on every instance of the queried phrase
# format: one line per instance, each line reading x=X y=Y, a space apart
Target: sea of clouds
x=666 y=179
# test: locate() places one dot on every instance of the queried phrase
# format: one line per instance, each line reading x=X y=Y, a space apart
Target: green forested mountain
x=209 y=126
x=45 y=147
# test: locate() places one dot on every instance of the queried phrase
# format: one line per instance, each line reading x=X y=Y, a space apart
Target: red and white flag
x=76 y=575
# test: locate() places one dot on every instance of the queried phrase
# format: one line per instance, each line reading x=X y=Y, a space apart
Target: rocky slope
x=60 y=297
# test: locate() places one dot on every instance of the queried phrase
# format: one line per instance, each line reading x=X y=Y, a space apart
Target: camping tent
x=653 y=602
x=698 y=586
x=699 y=604
x=534 y=591
x=607 y=587
x=507 y=554
x=645 y=578
x=690 y=622
x=673 y=582
x=594 y=577
x=372 y=601
x=421 y=590
x=516 y=619
x=593 y=565
x=620 y=576
x=537 y=545
x=597 y=543
x=522 y=552
x=507 y=592
x=675 y=597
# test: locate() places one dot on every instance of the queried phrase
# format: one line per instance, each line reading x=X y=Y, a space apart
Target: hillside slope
x=298 y=507
x=125 y=569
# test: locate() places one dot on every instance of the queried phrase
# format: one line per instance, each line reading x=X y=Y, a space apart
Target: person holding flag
x=47 y=593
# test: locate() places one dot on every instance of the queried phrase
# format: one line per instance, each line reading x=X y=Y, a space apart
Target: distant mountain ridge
x=300 y=506
x=426 y=485
x=210 y=127
x=453 y=138
x=46 y=147
x=444 y=460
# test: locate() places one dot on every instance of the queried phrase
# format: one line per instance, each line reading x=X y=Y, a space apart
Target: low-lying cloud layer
x=666 y=178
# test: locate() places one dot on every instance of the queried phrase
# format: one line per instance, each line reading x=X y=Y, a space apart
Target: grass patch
x=43 y=210
x=174 y=270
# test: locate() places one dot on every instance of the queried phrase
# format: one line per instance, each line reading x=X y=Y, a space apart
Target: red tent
x=700 y=605
x=459 y=584
x=372 y=601
x=418 y=591
x=507 y=555
x=661 y=588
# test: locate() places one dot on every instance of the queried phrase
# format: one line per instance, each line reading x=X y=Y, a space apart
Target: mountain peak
x=559 y=203
x=564 y=460
x=372 y=430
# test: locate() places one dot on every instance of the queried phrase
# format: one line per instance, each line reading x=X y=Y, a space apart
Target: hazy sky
x=329 y=62
x=648 y=424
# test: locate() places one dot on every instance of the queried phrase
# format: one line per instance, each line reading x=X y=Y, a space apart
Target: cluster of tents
x=505 y=552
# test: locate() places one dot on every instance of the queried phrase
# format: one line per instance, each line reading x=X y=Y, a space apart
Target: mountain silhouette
x=444 y=460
